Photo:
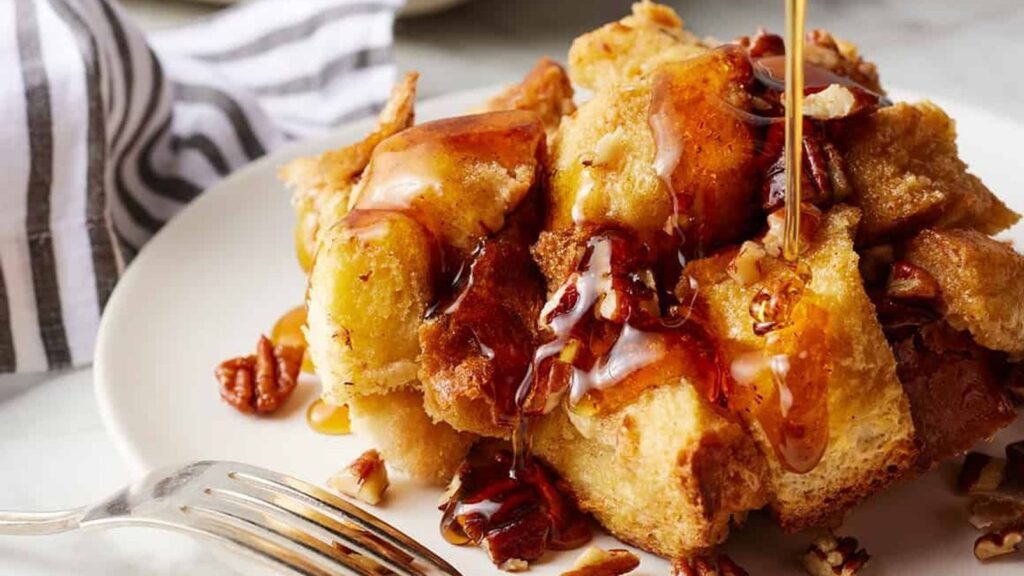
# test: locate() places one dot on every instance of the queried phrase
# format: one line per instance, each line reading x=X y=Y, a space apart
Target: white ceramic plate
x=224 y=270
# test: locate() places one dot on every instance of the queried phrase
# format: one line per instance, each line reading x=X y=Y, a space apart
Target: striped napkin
x=107 y=133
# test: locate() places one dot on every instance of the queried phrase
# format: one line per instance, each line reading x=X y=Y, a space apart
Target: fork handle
x=31 y=523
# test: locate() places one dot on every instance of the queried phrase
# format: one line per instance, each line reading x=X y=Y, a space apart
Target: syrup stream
x=796 y=11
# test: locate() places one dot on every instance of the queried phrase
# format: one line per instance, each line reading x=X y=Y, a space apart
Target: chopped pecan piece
x=745 y=268
x=703 y=566
x=980 y=473
x=837 y=101
x=261 y=382
x=1001 y=543
x=990 y=512
x=598 y=562
x=910 y=282
x=841 y=57
x=831 y=556
x=514 y=565
x=366 y=478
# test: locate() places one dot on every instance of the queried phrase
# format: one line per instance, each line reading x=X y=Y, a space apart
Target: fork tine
x=297 y=550
x=290 y=509
x=319 y=497
x=214 y=528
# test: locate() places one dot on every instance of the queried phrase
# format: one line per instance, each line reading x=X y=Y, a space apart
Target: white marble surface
x=53 y=449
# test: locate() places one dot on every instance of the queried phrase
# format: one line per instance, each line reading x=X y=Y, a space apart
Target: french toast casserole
x=591 y=293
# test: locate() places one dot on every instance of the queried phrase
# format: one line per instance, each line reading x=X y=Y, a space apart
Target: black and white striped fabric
x=106 y=134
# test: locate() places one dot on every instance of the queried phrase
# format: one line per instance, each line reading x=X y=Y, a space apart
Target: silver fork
x=269 y=516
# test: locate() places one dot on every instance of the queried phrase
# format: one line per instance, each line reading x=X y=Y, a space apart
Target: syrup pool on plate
x=328 y=419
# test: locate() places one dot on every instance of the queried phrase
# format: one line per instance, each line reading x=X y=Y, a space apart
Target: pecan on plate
x=366 y=478
x=831 y=556
x=598 y=562
x=996 y=511
x=1000 y=543
x=261 y=382
x=706 y=566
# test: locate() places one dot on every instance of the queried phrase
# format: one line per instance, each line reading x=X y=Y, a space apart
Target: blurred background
x=948 y=49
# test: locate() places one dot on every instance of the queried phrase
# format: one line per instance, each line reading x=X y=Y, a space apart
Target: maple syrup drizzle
x=610 y=339
x=288 y=331
x=794 y=102
x=328 y=419
x=515 y=508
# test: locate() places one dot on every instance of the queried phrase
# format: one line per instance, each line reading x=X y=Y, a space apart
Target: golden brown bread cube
x=982 y=283
x=460 y=176
x=870 y=430
x=321 y=185
x=604 y=158
x=906 y=174
x=450 y=182
x=368 y=291
x=618 y=184
x=667 y=473
x=410 y=441
x=625 y=51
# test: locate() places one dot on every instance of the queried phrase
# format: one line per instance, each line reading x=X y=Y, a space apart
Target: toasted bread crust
x=905 y=171
x=955 y=390
x=426 y=450
x=982 y=283
x=668 y=473
x=628 y=50
x=546 y=90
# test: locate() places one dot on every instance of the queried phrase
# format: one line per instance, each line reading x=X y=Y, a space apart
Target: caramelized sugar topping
x=514 y=511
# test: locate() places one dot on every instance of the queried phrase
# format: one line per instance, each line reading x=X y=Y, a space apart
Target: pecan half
x=260 y=383
x=705 y=566
x=831 y=556
x=1001 y=543
x=598 y=562
x=991 y=512
x=745 y=267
